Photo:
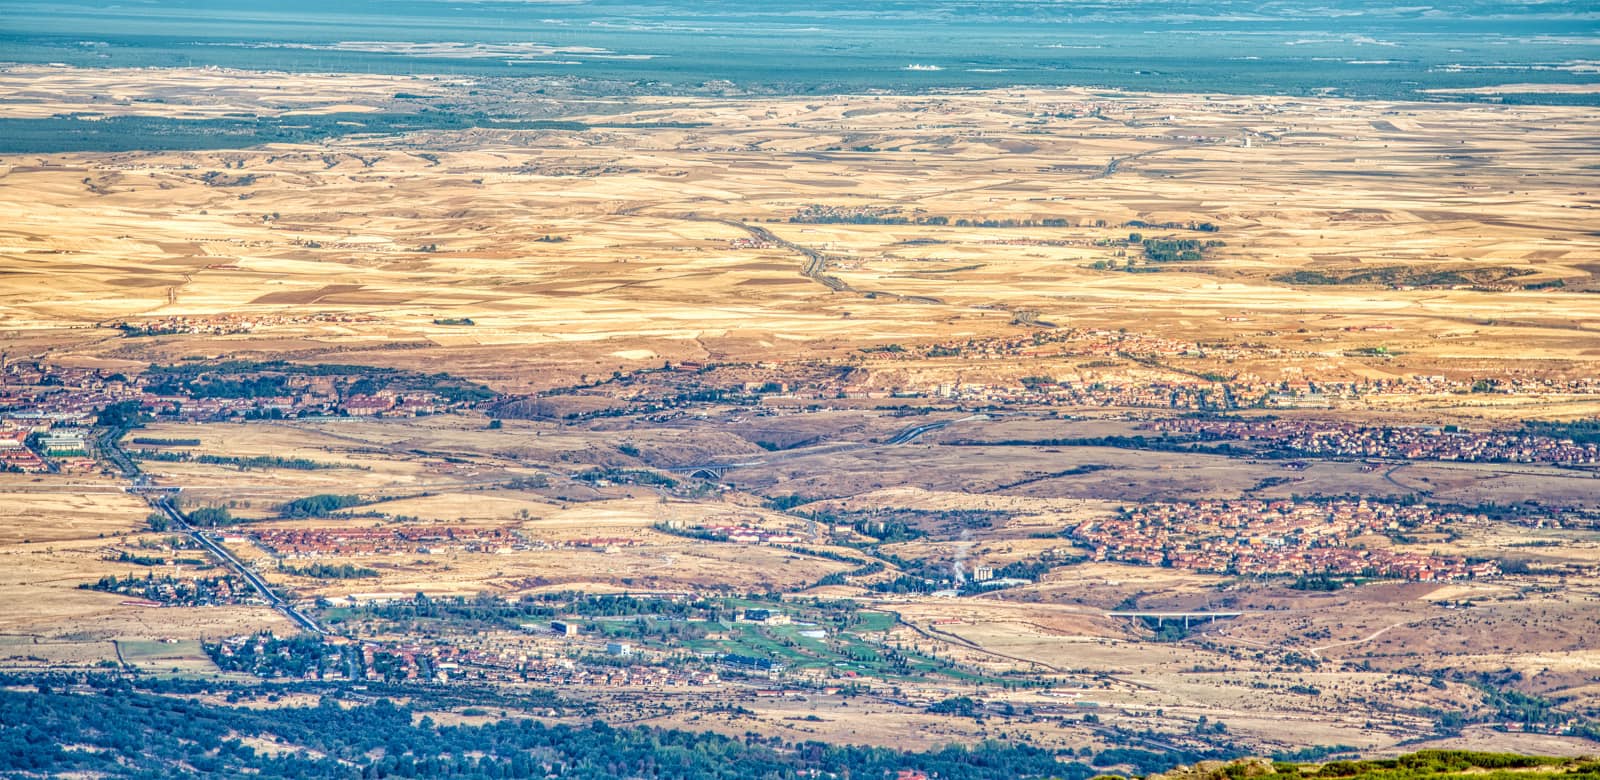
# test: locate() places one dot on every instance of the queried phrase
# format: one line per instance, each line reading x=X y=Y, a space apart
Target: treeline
x=151 y=441
x=887 y=531
x=75 y=133
x=231 y=367
x=320 y=505
x=329 y=571
x=701 y=534
x=1135 y=442
x=1177 y=250
x=1433 y=763
x=1321 y=582
x=937 y=221
x=1579 y=431
x=122 y=414
x=1203 y=227
x=900 y=524
x=136 y=331
x=844 y=577
x=211 y=516
x=125 y=556
x=1410 y=276
x=243 y=463
x=251 y=387
x=643 y=628
x=815 y=215
x=906 y=583
x=626 y=477
x=488 y=611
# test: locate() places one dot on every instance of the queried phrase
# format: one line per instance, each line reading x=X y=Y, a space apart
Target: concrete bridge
x=712 y=471
x=1163 y=617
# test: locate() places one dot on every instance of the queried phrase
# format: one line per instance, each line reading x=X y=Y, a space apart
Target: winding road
x=1316 y=652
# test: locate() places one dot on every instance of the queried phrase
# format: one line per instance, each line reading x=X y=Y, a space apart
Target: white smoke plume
x=959 y=569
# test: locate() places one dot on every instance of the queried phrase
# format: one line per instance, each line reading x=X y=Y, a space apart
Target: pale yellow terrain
x=648 y=266
x=59 y=535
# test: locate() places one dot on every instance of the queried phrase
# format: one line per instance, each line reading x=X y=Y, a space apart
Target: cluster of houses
x=1074 y=392
x=1074 y=342
x=530 y=661
x=598 y=542
x=389 y=404
x=1086 y=388
x=1254 y=537
x=315 y=395
x=824 y=213
x=49 y=412
x=316 y=542
x=174 y=591
x=228 y=324
x=1099 y=378
x=16 y=455
x=299 y=543
x=745 y=534
x=42 y=397
x=499 y=661
x=67 y=389
x=513 y=662
x=1314 y=437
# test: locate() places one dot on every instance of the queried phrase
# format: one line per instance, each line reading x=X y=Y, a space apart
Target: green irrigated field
x=1425 y=765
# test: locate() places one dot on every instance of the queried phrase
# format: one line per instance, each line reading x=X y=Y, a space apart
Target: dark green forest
x=104 y=726
x=71 y=133
x=126 y=733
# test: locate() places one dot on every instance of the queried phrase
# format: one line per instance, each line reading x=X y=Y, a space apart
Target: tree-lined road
x=164 y=504
x=111 y=448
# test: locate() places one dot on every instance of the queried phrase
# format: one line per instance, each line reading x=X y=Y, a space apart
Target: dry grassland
x=647 y=271
x=65 y=537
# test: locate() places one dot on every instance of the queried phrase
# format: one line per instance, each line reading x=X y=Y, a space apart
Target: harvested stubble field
x=585 y=251
x=64 y=536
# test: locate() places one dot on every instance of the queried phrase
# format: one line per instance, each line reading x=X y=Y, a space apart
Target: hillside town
x=1353 y=440
x=294 y=543
x=44 y=396
x=1255 y=537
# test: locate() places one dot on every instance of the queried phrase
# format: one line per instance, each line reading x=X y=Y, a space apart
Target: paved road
x=909 y=435
x=1388 y=476
x=110 y=448
x=1030 y=318
x=1116 y=162
x=816 y=265
x=277 y=602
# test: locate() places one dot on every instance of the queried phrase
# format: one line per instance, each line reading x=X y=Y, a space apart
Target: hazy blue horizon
x=1297 y=47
